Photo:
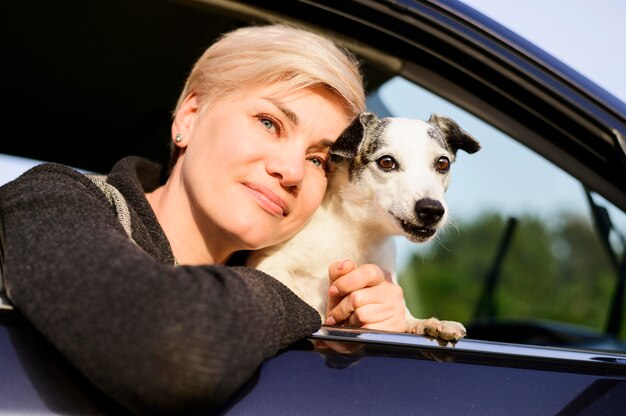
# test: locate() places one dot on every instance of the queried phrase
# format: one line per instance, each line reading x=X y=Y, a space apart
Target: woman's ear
x=182 y=125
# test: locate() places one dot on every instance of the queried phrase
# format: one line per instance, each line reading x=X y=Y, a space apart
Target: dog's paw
x=446 y=331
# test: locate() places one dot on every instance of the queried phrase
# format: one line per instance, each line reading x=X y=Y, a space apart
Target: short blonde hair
x=256 y=56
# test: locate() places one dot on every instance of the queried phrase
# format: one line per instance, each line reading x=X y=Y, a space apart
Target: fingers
x=345 y=278
x=378 y=317
x=335 y=271
x=358 y=278
x=377 y=307
x=339 y=310
x=340 y=268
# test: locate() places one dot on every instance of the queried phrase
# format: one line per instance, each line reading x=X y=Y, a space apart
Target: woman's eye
x=267 y=123
x=318 y=162
x=442 y=164
x=387 y=163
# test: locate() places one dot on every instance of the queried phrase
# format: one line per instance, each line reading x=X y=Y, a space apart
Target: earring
x=178 y=137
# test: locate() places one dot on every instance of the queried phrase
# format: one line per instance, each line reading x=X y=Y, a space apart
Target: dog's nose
x=429 y=211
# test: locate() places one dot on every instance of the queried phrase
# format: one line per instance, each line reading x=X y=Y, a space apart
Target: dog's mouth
x=416 y=233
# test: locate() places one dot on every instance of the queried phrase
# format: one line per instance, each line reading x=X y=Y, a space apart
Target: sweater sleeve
x=154 y=337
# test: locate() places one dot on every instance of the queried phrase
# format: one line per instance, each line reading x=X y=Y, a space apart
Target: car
x=537 y=343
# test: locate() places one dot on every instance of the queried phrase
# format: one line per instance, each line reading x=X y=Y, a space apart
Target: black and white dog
x=388 y=177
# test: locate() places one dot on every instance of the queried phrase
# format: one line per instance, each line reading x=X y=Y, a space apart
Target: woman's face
x=254 y=166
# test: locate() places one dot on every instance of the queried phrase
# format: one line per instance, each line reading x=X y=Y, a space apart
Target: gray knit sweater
x=154 y=337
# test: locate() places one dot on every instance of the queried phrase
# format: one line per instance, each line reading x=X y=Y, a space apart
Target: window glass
x=555 y=268
x=12 y=166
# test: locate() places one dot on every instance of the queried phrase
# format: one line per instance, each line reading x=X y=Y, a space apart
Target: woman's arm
x=153 y=336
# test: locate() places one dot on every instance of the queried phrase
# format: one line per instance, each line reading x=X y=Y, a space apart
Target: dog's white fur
x=366 y=204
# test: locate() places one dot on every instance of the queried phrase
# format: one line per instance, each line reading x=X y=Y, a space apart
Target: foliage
x=558 y=272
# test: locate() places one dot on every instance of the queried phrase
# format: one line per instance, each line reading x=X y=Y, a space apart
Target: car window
x=555 y=270
x=517 y=221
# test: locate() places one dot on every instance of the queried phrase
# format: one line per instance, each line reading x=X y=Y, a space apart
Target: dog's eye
x=442 y=164
x=387 y=163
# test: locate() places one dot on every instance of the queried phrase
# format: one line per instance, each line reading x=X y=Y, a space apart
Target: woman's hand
x=364 y=297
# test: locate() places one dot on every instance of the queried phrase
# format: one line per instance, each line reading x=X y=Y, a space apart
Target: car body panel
x=36 y=379
x=371 y=373
x=418 y=387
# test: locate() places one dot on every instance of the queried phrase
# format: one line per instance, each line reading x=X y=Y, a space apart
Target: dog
x=387 y=177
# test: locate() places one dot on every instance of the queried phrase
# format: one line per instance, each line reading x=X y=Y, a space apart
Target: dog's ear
x=455 y=136
x=347 y=145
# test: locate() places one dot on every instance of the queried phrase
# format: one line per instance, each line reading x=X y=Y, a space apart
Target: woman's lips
x=268 y=199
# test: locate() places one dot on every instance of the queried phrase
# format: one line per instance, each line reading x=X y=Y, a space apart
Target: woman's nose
x=288 y=167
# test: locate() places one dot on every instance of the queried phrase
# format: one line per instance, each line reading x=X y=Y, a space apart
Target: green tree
x=555 y=272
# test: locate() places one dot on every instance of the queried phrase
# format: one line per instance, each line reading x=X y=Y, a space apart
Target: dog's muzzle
x=429 y=212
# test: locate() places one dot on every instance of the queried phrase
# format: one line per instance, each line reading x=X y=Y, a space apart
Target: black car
x=542 y=295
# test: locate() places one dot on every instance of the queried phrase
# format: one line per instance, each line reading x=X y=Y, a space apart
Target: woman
x=90 y=264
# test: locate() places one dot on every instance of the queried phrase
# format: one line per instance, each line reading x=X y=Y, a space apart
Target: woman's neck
x=189 y=244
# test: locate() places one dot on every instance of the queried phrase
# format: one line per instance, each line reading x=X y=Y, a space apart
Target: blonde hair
x=256 y=56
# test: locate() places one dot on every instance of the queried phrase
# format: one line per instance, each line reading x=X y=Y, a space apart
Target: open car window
x=529 y=256
x=518 y=221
